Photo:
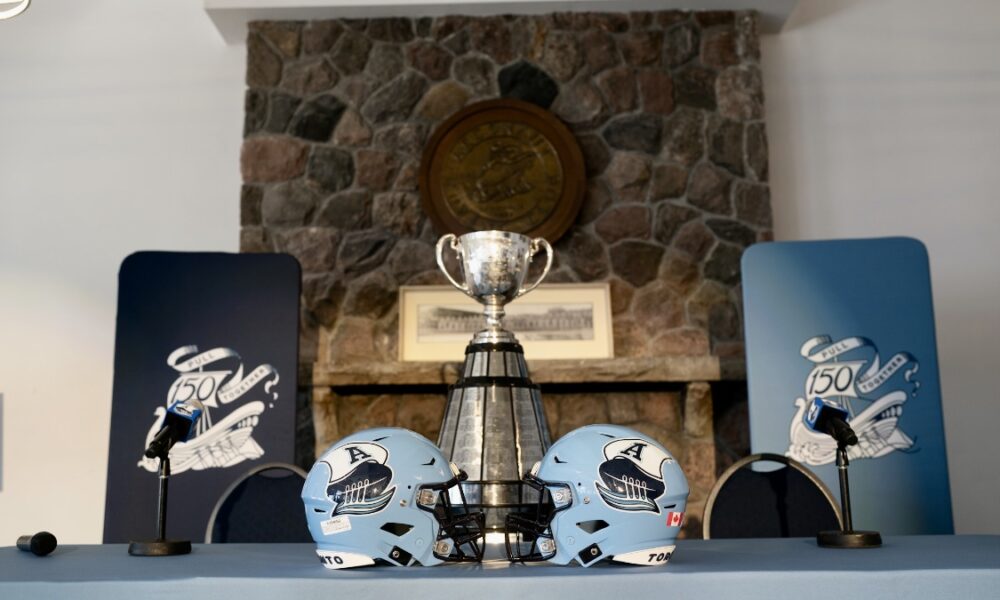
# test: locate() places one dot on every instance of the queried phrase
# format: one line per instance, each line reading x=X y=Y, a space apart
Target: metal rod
x=845 y=491
x=161 y=525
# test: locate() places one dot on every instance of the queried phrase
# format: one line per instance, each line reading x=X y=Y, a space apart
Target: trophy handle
x=535 y=243
x=440 y=259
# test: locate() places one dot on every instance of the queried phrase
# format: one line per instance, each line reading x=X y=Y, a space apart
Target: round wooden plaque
x=503 y=164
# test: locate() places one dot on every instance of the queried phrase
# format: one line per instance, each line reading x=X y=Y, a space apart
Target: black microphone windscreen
x=40 y=544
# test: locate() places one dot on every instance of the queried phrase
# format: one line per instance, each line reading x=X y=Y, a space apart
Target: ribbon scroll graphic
x=229 y=441
x=850 y=373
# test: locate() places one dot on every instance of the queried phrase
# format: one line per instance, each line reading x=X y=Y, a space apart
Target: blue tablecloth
x=910 y=568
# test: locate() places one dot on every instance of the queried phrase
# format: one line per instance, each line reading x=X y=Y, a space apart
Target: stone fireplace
x=668 y=110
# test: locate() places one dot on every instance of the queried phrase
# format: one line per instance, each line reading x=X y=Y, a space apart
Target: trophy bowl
x=494 y=265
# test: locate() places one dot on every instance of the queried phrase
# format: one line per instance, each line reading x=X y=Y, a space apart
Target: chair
x=263 y=505
x=786 y=502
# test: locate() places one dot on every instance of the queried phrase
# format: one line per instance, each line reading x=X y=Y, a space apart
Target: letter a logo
x=357 y=454
x=635 y=451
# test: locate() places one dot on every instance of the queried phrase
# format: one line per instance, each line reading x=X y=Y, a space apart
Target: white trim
x=231 y=16
x=333 y=559
x=651 y=557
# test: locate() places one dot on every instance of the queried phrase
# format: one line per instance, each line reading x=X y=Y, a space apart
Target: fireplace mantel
x=231 y=16
x=676 y=369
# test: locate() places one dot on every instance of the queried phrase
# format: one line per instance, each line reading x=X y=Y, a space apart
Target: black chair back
x=786 y=502
x=264 y=505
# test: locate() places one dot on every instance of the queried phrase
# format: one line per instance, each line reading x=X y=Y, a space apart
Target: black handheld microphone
x=40 y=544
x=831 y=420
x=177 y=427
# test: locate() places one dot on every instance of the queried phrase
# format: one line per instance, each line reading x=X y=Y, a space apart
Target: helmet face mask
x=608 y=493
x=528 y=536
x=461 y=535
x=387 y=496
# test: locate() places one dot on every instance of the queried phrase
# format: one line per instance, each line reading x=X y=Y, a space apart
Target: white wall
x=884 y=119
x=120 y=126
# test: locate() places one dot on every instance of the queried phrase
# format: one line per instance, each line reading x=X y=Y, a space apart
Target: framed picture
x=555 y=321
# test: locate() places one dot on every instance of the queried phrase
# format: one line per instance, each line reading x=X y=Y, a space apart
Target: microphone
x=177 y=427
x=40 y=544
x=826 y=418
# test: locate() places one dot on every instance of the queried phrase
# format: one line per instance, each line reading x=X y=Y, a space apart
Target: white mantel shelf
x=231 y=16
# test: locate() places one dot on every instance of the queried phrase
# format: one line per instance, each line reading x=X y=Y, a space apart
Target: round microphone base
x=849 y=539
x=159 y=548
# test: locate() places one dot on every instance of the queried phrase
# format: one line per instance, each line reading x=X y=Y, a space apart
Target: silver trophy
x=494 y=265
x=494 y=425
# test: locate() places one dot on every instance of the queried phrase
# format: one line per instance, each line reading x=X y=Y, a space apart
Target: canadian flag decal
x=674 y=519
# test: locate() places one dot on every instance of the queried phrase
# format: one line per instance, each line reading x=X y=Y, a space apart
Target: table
x=906 y=567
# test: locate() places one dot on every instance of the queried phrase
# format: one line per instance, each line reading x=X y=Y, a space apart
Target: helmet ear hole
x=592 y=526
x=396 y=529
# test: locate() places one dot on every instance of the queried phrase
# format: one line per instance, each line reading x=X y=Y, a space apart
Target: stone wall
x=668 y=110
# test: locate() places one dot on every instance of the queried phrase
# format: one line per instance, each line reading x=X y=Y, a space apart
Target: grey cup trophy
x=494 y=265
x=494 y=424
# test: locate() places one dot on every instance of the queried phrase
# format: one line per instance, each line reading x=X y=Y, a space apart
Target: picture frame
x=555 y=321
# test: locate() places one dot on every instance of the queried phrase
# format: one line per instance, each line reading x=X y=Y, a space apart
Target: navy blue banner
x=219 y=328
x=851 y=321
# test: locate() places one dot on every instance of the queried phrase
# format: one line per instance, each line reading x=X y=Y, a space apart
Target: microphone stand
x=847 y=537
x=161 y=546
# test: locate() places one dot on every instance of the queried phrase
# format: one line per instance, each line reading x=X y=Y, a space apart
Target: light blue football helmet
x=607 y=493
x=389 y=496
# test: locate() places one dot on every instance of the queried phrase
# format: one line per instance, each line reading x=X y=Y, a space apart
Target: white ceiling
x=231 y=16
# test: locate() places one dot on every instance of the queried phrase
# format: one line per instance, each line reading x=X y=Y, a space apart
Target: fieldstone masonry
x=668 y=110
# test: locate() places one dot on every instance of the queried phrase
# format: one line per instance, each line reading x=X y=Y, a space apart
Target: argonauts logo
x=631 y=477
x=224 y=438
x=851 y=374
x=359 y=478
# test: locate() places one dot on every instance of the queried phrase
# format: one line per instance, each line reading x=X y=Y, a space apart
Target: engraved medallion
x=503 y=164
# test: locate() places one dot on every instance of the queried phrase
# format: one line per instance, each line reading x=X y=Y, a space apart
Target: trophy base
x=849 y=539
x=494 y=426
x=159 y=548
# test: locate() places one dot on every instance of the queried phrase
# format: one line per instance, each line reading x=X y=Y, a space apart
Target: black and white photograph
x=555 y=321
x=532 y=321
